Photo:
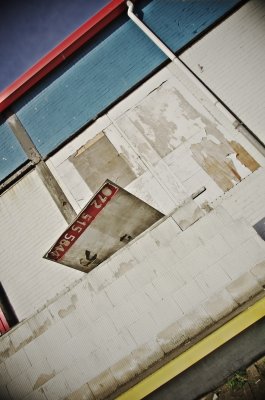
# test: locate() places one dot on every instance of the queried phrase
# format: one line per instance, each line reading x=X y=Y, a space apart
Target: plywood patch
x=98 y=160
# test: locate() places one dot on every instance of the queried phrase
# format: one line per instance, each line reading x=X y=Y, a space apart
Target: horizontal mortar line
x=194 y=354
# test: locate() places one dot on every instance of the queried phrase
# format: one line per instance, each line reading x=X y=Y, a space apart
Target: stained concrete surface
x=214 y=370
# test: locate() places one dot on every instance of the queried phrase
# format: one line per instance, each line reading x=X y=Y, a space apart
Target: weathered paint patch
x=68 y=310
x=98 y=160
x=43 y=378
x=244 y=157
x=226 y=162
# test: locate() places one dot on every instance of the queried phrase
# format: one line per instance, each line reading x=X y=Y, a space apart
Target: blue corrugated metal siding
x=11 y=154
x=103 y=71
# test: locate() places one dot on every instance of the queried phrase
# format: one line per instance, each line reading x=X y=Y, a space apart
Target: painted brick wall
x=147 y=299
x=11 y=153
x=234 y=71
x=119 y=58
x=30 y=222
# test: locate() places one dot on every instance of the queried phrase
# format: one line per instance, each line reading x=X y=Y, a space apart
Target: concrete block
x=216 y=249
x=141 y=274
x=7 y=348
x=21 y=336
x=168 y=283
x=143 y=329
x=36 y=395
x=244 y=287
x=121 y=262
x=219 y=305
x=17 y=363
x=103 y=385
x=259 y=272
x=237 y=232
x=189 y=296
x=40 y=322
x=76 y=322
x=76 y=376
x=4 y=393
x=171 y=337
x=223 y=215
x=56 y=388
x=83 y=393
x=194 y=322
x=196 y=262
x=213 y=279
x=35 y=352
x=165 y=232
x=208 y=227
x=40 y=373
x=63 y=306
x=123 y=315
x=147 y=354
x=236 y=262
x=187 y=214
x=82 y=344
x=97 y=304
x=4 y=375
x=144 y=299
x=166 y=312
x=101 y=277
x=162 y=260
x=20 y=386
x=103 y=329
x=119 y=290
x=125 y=369
x=143 y=247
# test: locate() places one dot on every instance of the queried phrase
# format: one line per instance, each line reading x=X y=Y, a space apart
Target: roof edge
x=61 y=52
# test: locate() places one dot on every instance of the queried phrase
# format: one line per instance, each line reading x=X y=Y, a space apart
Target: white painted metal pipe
x=182 y=67
x=149 y=33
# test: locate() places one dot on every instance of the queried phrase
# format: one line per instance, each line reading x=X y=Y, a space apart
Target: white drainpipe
x=168 y=52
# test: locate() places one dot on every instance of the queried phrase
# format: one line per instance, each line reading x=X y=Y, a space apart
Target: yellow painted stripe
x=196 y=352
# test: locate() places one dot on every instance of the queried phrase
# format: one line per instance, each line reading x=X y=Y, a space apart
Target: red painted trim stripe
x=66 y=48
x=85 y=218
x=4 y=326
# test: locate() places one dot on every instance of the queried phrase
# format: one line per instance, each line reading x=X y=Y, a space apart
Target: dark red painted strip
x=55 y=57
x=4 y=327
x=77 y=228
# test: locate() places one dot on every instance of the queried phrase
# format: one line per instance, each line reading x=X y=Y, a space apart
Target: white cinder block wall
x=166 y=286
x=149 y=298
x=29 y=222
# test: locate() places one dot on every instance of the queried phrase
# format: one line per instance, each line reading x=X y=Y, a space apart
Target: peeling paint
x=244 y=157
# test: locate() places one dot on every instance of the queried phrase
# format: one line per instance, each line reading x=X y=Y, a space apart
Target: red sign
x=111 y=219
x=69 y=237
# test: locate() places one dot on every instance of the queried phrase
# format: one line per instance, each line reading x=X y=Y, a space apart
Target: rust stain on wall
x=244 y=157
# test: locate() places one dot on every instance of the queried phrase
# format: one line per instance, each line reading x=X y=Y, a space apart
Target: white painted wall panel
x=231 y=59
x=29 y=224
